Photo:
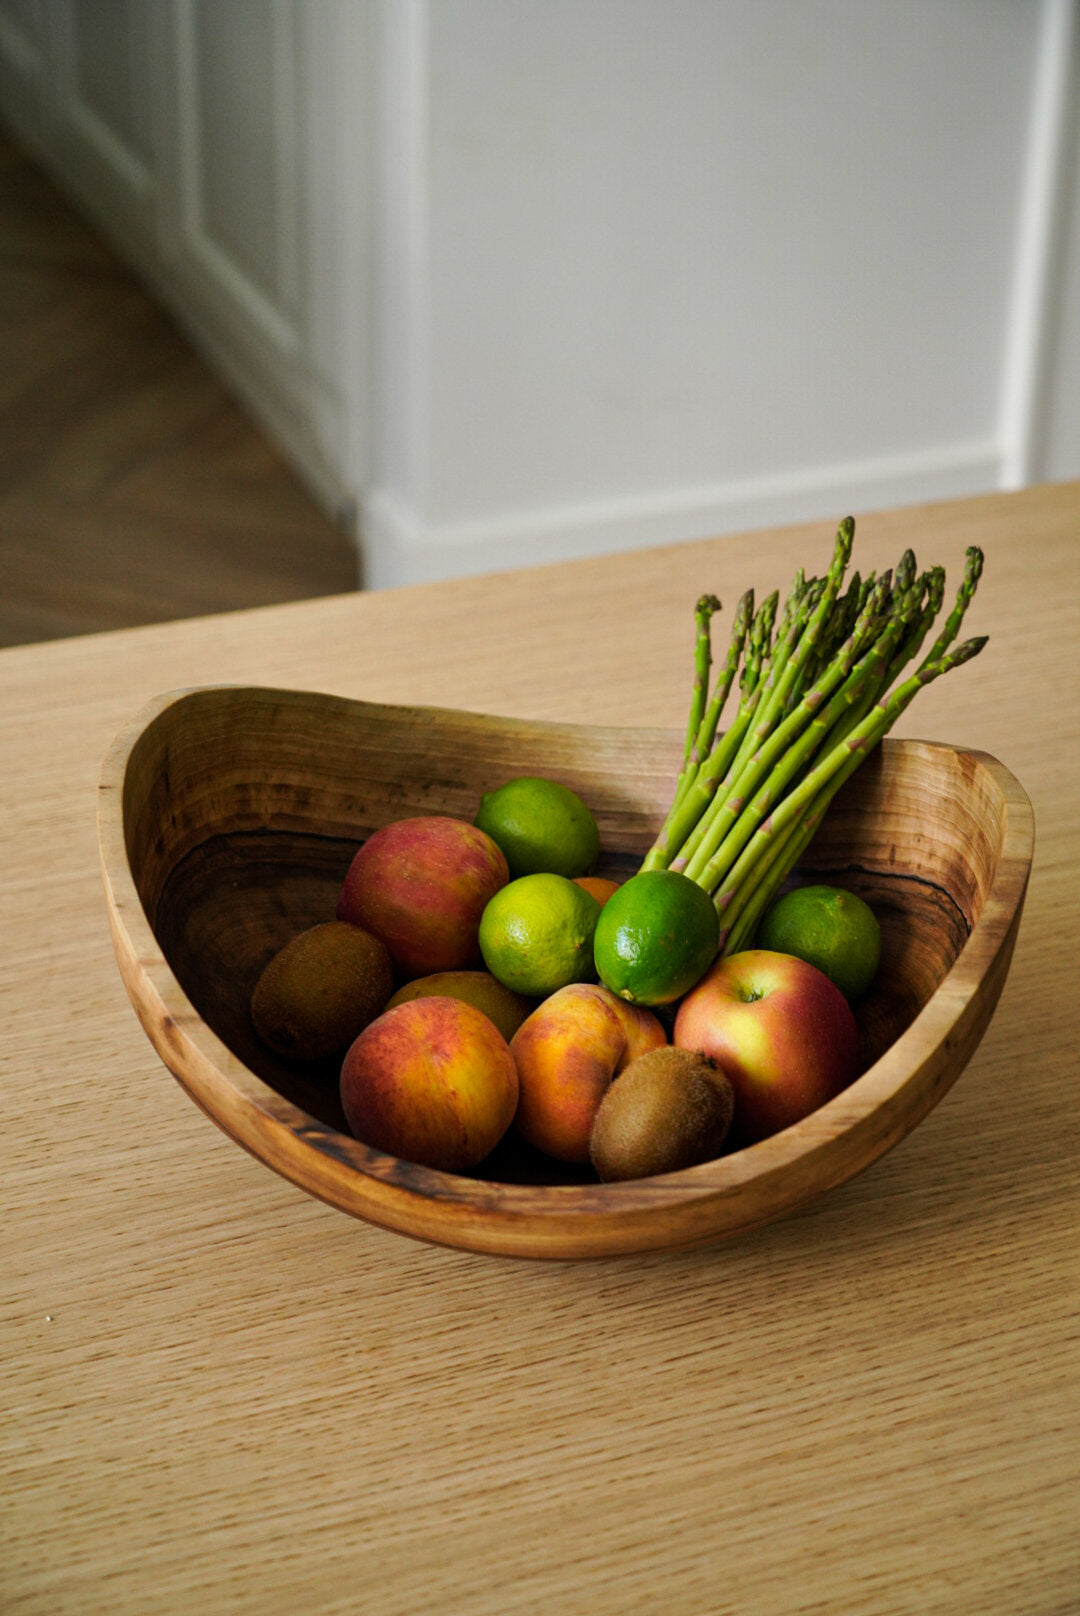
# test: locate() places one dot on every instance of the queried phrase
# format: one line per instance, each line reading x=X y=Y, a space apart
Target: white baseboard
x=398 y=547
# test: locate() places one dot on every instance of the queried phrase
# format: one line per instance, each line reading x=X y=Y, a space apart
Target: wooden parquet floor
x=133 y=488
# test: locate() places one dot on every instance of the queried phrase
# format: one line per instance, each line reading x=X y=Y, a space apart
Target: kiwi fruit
x=500 y=1004
x=321 y=990
x=669 y=1109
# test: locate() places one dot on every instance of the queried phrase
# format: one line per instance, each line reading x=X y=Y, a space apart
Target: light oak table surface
x=217 y=1394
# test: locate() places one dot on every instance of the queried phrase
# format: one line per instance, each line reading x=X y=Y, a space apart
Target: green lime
x=542 y=827
x=656 y=937
x=536 y=934
x=829 y=928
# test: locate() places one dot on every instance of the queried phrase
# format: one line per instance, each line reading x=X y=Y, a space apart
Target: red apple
x=420 y=886
x=567 y=1053
x=432 y=1081
x=785 y=1036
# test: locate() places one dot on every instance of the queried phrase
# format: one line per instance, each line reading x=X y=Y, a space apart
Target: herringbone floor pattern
x=133 y=489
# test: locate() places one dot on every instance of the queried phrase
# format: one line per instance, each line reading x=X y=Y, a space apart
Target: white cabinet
x=521 y=279
x=214 y=141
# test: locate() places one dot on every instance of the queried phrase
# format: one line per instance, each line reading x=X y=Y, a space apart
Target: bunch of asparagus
x=817 y=691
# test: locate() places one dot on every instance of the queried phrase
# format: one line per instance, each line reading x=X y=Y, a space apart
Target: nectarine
x=567 y=1053
x=432 y=1081
x=421 y=885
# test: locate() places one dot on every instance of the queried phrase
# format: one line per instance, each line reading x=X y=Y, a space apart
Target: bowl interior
x=242 y=809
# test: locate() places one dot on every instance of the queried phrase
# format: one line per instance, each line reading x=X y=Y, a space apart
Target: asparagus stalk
x=703 y=613
x=697 y=785
x=822 y=724
x=792 y=602
x=755 y=897
x=813 y=701
x=840 y=762
x=761 y=629
x=790 y=750
x=773 y=671
x=752 y=902
x=800 y=645
x=845 y=615
x=906 y=572
x=973 y=566
x=706 y=733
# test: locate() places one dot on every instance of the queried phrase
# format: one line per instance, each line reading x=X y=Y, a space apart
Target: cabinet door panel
x=110 y=71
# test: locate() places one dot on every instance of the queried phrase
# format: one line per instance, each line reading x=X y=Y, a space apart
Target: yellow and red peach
x=500 y=1004
x=432 y=1081
x=420 y=885
x=567 y=1053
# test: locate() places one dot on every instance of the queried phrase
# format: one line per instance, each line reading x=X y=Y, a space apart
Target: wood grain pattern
x=196 y=792
x=219 y=1394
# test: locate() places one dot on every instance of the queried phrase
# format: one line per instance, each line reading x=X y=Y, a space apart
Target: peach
x=598 y=887
x=567 y=1053
x=420 y=886
x=500 y=1004
x=432 y=1081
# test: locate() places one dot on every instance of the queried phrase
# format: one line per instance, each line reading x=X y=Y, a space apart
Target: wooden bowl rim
x=497 y=1217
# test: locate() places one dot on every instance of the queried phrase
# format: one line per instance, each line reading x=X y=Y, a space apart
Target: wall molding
x=17 y=49
x=95 y=137
x=1033 y=304
x=401 y=281
x=22 y=74
x=398 y=547
x=400 y=544
x=335 y=352
x=273 y=322
x=153 y=218
x=261 y=376
x=119 y=160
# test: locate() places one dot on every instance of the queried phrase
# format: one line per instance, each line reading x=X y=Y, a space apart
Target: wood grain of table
x=218 y=1394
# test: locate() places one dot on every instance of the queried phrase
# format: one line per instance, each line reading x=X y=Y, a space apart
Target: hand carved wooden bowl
x=228 y=817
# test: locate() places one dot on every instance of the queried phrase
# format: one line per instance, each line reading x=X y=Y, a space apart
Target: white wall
x=536 y=278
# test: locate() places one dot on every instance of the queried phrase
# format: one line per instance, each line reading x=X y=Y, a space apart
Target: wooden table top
x=219 y=1394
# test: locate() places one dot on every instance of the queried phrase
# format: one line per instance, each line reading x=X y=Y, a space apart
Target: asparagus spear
x=933 y=593
x=703 y=740
x=973 y=566
x=841 y=761
x=696 y=786
x=857 y=669
x=813 y=701
x=800 y=641
x=761 y=629
x=749 y=906
x=703 y=613
x=770 y=679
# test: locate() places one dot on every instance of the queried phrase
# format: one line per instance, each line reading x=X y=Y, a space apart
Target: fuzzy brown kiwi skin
x=321 y=990
x=669 y=1109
